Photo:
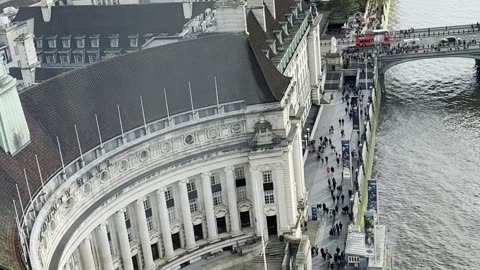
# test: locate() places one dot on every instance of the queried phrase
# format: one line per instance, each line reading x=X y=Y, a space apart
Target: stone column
x=280 y=198
x=208 y=201
x=186 y=215
x=298 y=164
x=120 y=227
x=144 y=234
x=232 y=202
x=258 y=201
x=106 y=260
x=86 y=255
x=165 y=225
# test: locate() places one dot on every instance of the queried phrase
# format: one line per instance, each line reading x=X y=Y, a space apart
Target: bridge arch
x=388 y=61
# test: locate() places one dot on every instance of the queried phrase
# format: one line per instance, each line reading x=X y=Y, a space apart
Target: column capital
x=229 y=169
x=183 y=181
x=160 y=190
x=121 y=211
x=140 y=200
x=206 y=174
x=279 y=165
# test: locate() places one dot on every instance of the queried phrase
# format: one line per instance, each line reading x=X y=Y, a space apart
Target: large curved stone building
x=153 y=159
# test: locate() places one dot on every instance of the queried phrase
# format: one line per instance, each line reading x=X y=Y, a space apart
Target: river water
x=427 y=156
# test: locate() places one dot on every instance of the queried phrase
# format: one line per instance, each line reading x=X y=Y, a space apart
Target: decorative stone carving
x=244 y=206
x=175 y=228
x=270 y=210
x=213 y=133
x=220 y=211
x=166 y=147
x=263 y=133
x=197 y=219
x=333 y=46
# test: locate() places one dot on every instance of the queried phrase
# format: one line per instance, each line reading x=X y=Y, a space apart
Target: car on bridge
x=413 y=43
x=450 y=40
x=351 y=49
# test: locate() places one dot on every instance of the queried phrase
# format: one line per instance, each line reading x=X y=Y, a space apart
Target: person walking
x=332 y=170
x=324 y=255
x=328 y=170
x=343 y=197
x=346 y=110
x=330 y=141
x=341 y=225
x=338 y=161
x=326 y=161
x=339 y=122
x=343 y=122
x=342 y=132
x=336 y=210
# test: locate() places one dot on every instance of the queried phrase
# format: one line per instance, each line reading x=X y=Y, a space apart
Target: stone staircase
x=274 y=252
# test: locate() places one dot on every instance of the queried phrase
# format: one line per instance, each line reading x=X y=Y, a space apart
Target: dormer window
x=66 y=41
x=80 y=42
x=133 y=40
x=147 y=36
x=284 y=27
x=278 y=35
x=267 y=53
x=39 y=42
x=95 y=41
x=272 y=44
x=295 y=11
x=52 y=42
x=114 y=41
x=290 y=18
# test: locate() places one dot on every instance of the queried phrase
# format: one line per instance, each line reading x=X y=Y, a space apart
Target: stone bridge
x=426 y=36
x=386 y=61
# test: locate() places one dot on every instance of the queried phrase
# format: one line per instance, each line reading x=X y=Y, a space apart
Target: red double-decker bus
x=376 y=37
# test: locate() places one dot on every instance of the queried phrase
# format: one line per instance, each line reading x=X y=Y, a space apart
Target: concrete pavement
x=316 y=176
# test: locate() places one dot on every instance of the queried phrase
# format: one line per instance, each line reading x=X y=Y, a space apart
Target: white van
x=411 y=42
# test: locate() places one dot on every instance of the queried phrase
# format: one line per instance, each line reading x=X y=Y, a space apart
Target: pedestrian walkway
x=316 y=176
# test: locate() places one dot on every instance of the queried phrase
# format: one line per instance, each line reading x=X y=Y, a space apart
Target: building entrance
x=176 y=241
x=198 y=231
x=135 y=262
x=245 y=219
x=272 y=225
x=221 y=225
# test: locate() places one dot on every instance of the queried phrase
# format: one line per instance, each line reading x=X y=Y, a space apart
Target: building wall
x=143 y=169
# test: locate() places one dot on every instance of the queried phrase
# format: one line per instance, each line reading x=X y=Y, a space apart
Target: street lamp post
x=306 y=142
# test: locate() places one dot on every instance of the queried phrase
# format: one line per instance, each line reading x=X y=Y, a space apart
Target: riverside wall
x=368 y=149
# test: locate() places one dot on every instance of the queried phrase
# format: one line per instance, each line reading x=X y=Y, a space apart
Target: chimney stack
x=14 y=133
x=28 y=58
x=230 y=16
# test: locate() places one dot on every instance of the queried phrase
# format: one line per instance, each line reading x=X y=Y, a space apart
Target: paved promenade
x=316 y=176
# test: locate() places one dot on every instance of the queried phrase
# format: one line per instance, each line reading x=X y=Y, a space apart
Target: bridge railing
x=399 y=37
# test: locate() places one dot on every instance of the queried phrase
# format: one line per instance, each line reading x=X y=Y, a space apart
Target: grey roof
x=105 y=21
x=41 y=73
x=54 y=106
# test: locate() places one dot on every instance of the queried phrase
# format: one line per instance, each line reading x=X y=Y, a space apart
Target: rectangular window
x=94 y=43
x=191 y=185
x=114 y=42
x=133 y=42
x=130 y=235
x=171 y=214
x=239 y=173
x=269 y=196
x=267 y=176
x=39 y=43
x=66 y=43
x=193 y=205
x=217 y=198
x=168 y=194
x=149 y=223
x=52 y=43
x=78 y=58
x=92 y=58
x=50 y=59
x=146 y=203
x=241 y=193
x=80 y=43
x=215 y=179
x=64 y=58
